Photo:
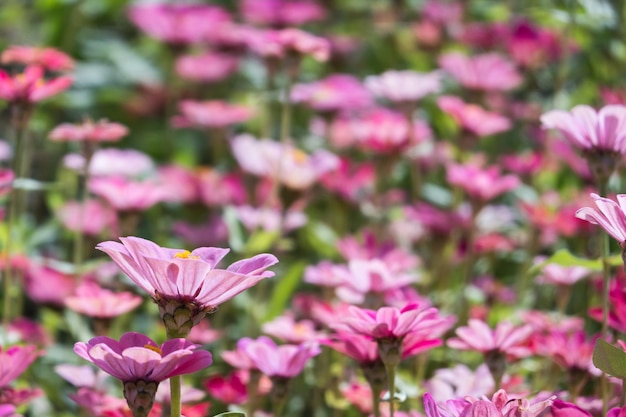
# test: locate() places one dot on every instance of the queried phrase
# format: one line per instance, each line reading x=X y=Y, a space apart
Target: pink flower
x=501 y=405
x=285 y=361
x=13 y=362
x=460 y=381
x=30 y=86
x=94 y=301
x=588 y=129
x=219 y=189
x=609 y=215
x=353 y=182
x=179 y=23
x=208 y=67
x=281 y=12
x=333 y=93
x=490 y=72
x=404 y=86
x=571 y=350
x=481 y=184
x=474 y=118
x=280 y=43
x=178 y=183
x=506 y=338
x=127 y=195
x=270 y=219
x=229 y=389
x=49 y=58
x=210 y=114
x=141 y=364
x=556 y=274
x=7 y=410
x=561 y=408
x=100 y=131
x=173 y=277
x=204 y=334
x=113 y=162
x=48 y=285
x=360 y=348
x=286 y=328
x=285 y=163
x=91 y=218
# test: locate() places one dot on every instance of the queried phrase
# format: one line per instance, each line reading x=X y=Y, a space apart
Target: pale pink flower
x=491 y=72
x=556 y=274
x=30 y=86
x=178 y=183
x=210 y=114
x=286 y=328
x=610 y=215
x=285 y=163
x=204 y=334
x=82 y=376
x=281 y=12
x=588 y=129
x=45 y=284
x=94 y=301
x=49 y=58
x=100 y=131
x=208 y=67
x=358 y=394
x=219 y=189
x=279 y=43
x=270 y=219
x=125 y=194
x=483 y=184
x=285 y=361
x=473 y=118
x=404 y=86
x=13 y=362
x=506 y=338
x=333 y=93
x=174 y=276
x=114 y=162
x=91 y=217
x=29 y=331
x=460 y=381
x=179 y=23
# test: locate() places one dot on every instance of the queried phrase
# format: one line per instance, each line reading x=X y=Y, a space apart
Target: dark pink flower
x=94 y=301
x=284 y=361
x=49 y=58
x=210 y=114
x=30 y=86
x=13 y=362
x=100 y=131
x=490 y=72
x=228 y=389
x=208 y=67
x=473 y=118
x=281 y=12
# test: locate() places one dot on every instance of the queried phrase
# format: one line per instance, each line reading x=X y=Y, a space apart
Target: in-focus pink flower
x=404 y=86
x=506 y=338
x=490 y=72
x=141 y=364
x=284 y=361
x=277 y=44
x=49 y=58
x=333 y=93
x=610 y=215
x=30 y=86
x=285 y=163
x=483 y=184
x=127 y=195
x=94 y=301
x=473 y=118
x=175 y=278
x=13 y=362
x=179 y=23
x=281 y=12
x=210 y=114
x=208 y=67
x=100 y=131
x=91 y=217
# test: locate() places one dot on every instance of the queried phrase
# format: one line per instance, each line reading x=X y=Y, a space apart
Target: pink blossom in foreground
x=285 y=163
x=13 y=362
x=277 y=44
x=473 y=118
x=500 y=405
x=49 y=58
x=210 y=114
x=490 y=72
x=610 y=215
x=506 y=338
x=333 y=93
x=90 y=218
x=281 y=12
x=208 y=67
x=141 y=364
x=127 y=195
x=404 y=86
x=483 y=184
x=588 y=129
x=284 y=361
x=100 y=131
x=94 y=301
x=179 y=23
x=192 y=277
x=30 y=86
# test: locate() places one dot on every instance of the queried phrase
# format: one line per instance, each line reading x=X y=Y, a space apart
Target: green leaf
x=609 y=359
x=231 y=414
x=261 y=241
x=235 y=234
x=563 y=257
x=321 y=238
x=284 y=289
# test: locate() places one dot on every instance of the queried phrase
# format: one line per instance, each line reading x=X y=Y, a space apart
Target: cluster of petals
x=14 y=360
x=111 y=162
x=460 y=381
x=136 y=357
x=31 y=86
x=286 y=361
x=182 y=275
x=404 y=86
x=207 y=67
x=473 y=118
x=218 y=188
x=283 y=162
x=281 y=12
x=210 y=114
x=480 y=183
x=588 y=129
x=124 y=194
x=570 y=350
x=94 y=301
x=562 y=408
x=334 y=93
x=100 y=131
x=556 y=274
x=609 y=215
x=270 y=219
x=49 y=58
x=278 y=44
x=285 y=327
x=506 y=338
x=490 y=72
x=500 y=405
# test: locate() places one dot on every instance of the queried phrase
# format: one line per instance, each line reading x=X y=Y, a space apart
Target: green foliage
x=609 y=359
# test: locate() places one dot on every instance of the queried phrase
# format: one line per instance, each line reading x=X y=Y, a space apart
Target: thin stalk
x=376 y=401
x=391 y=377
x=606 y=276
x=175 y=395
x=622 y=397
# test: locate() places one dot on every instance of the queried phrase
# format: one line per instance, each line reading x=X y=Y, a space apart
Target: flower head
x=610 y=215
x=94 y=301
x=49 y=58
x=473 y=118
x=404 y=86
x=100 y=131
x=284 y=361
x=207 y=114
x=481 y=72
x=14 y=360
x=30 y=86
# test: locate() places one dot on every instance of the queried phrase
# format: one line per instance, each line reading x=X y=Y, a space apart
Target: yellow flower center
x=299 y=156
x=185 y=255
x=154 y=349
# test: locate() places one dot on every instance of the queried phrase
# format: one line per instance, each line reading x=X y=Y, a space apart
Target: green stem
x=606 y=276
x=175 y=383
x=622 y=398
x=391 y=377
x=376 y=401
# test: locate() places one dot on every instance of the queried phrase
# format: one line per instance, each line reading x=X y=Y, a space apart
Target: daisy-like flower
x=88 y=131
x=488 y=72
x=610 y=215
x=141 y=364
x=210 y=114
x=404 y=86
x=14 y=361
x=49 y=58
x=94 y=301
x=284 y=361
x=185 y=285
x=30 y=86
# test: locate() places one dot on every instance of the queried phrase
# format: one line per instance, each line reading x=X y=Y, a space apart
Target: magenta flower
x=210 y=114
x=186 y=285
x=500 y=405
x=473 y=118
x=610 y=215
x=88 y=131
x=14 y=361
x=7 y=410
x=490 y=72
x=284 y=361
x=30 y=86
x=94 y=301
x=404 y=86
x=141 y=364
x=49 y=58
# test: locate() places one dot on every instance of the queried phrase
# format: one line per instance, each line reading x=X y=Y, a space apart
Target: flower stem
x=391 y=378
x=175 y=395
x=376 y=401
